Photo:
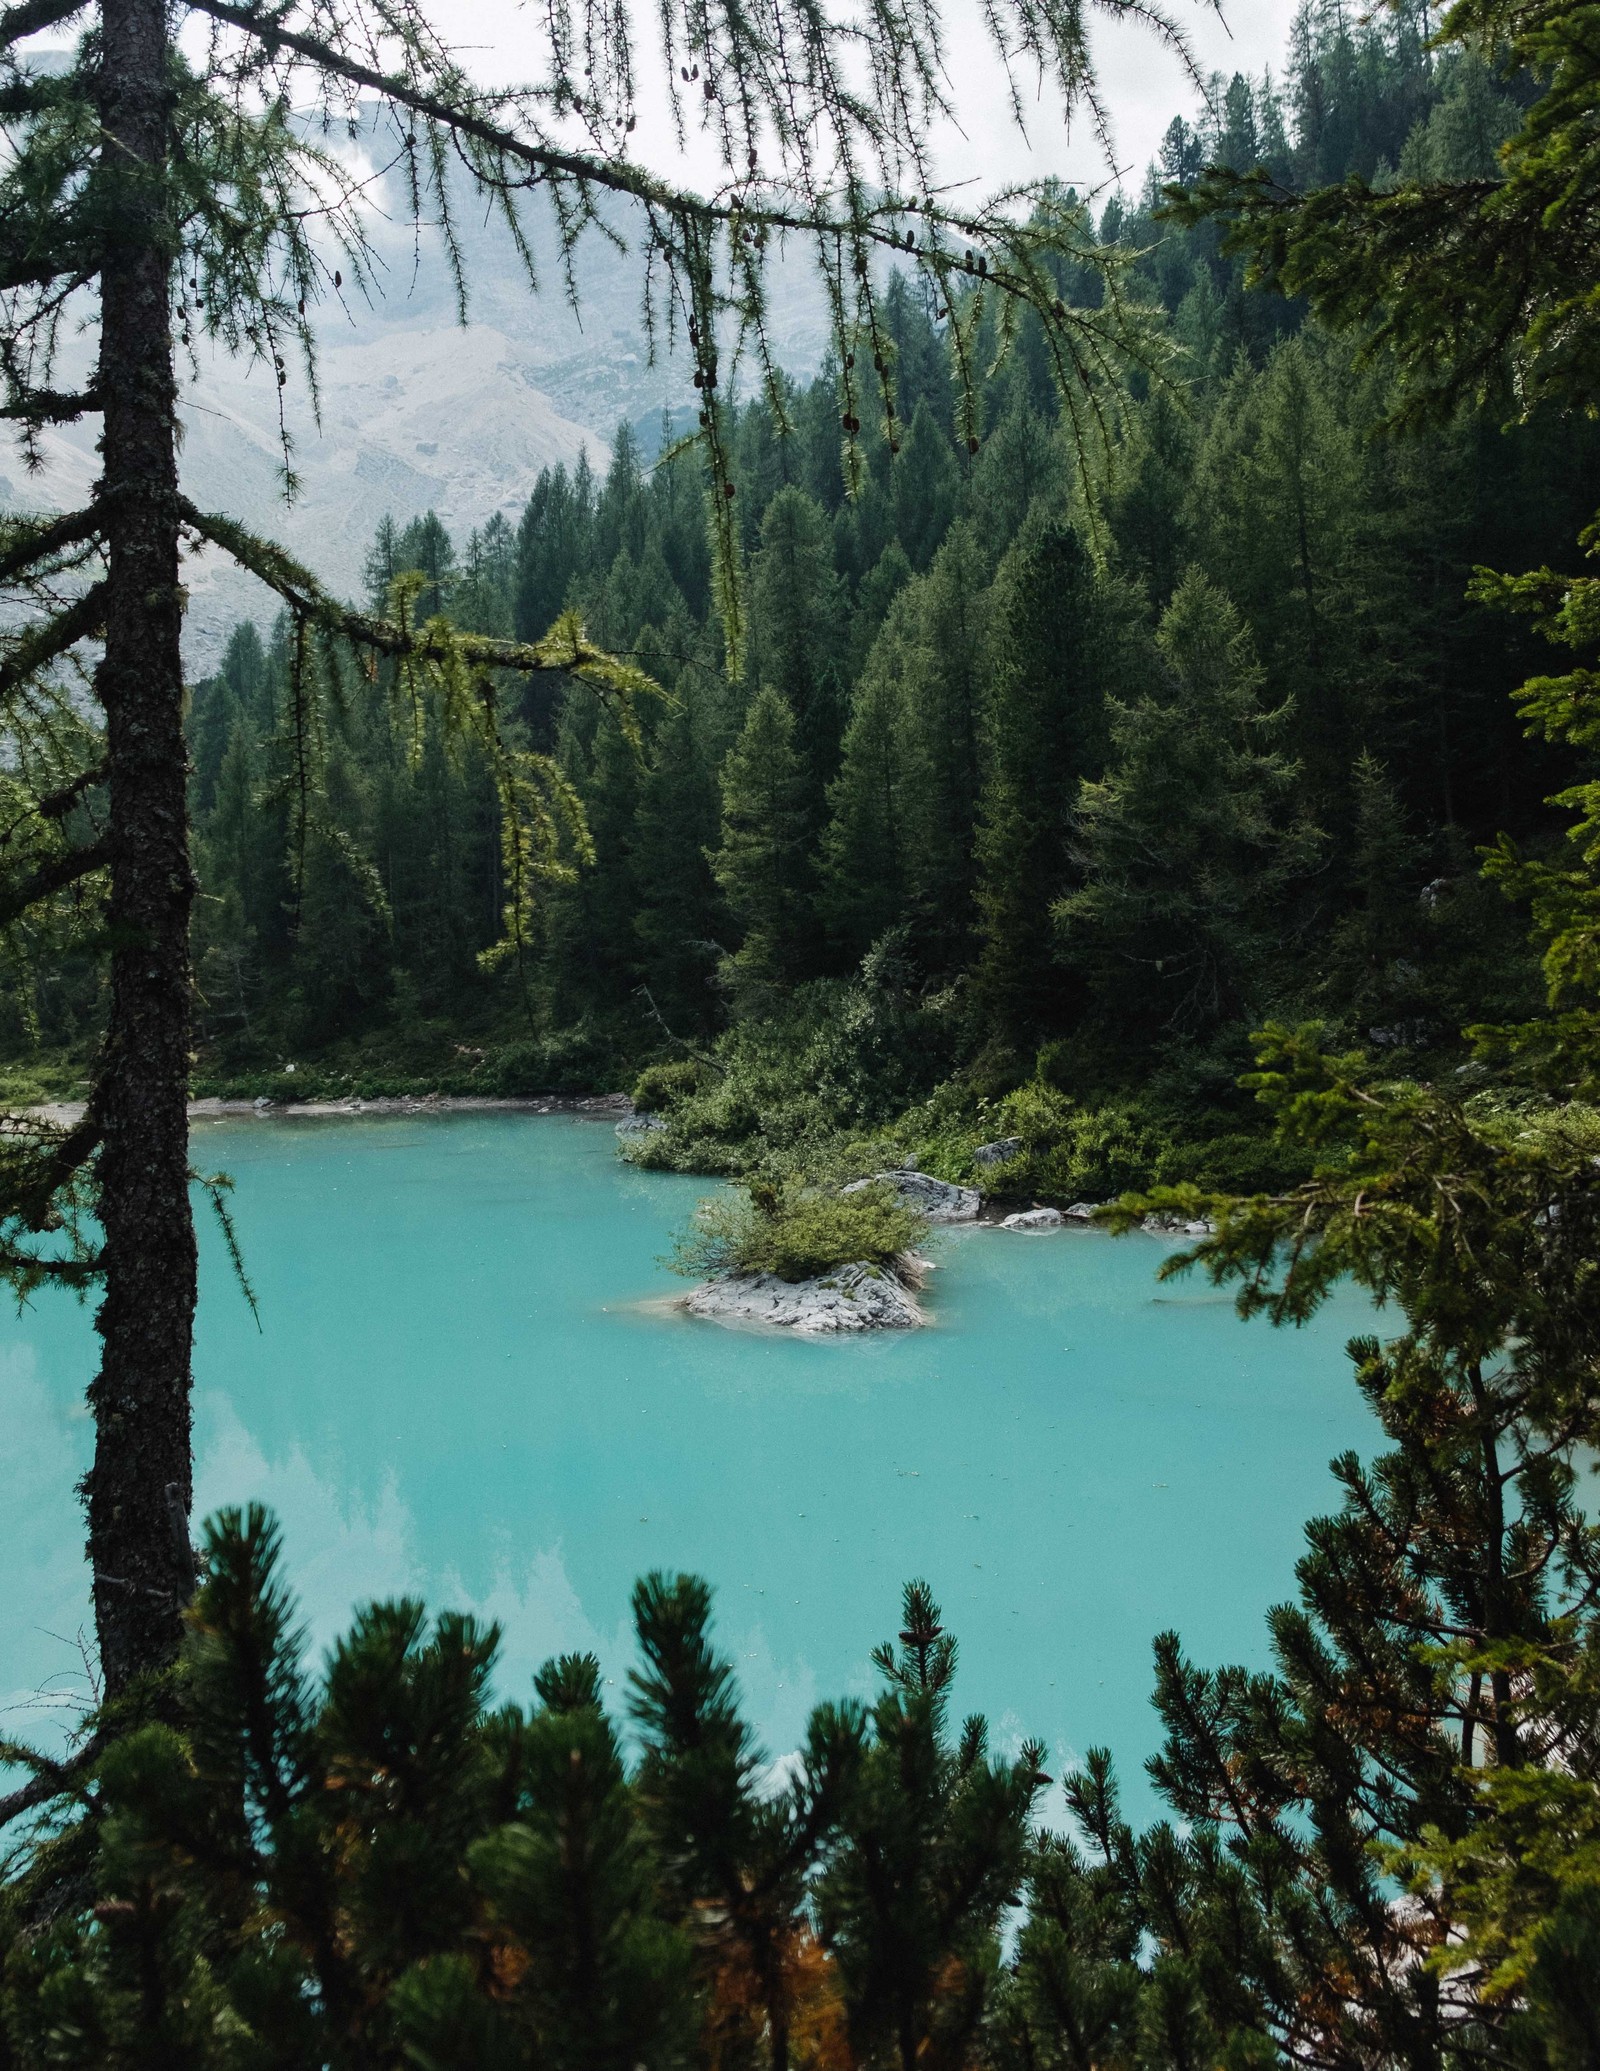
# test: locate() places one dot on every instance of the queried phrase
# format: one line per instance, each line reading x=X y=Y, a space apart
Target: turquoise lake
x=460 y=1388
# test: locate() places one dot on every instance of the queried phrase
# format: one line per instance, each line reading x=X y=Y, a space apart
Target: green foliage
x=1191 y=840
x=1062 y=639
x=762 y=865
x=1472 y=278
x=310 y=1870
x=378 y=1863
x=661 y=1086
x=796 y=1232
x=929 y=1859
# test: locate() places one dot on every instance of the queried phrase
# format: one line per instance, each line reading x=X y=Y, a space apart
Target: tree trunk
x=138 y=1490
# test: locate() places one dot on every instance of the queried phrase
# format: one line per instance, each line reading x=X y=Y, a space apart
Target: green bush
x=796 y=1232
x=662 y=1086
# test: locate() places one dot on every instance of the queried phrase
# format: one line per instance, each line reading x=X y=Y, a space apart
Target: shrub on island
x=796 y=1232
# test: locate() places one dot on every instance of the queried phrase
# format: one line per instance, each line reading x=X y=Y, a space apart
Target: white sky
x=1144 y=85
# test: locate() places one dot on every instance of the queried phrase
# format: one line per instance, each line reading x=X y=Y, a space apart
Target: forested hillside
x=1041 y=765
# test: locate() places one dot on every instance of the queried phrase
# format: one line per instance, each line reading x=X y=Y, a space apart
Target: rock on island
x=855 y=1297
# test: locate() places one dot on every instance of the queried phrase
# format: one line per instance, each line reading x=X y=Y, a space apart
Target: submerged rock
x=641 y=1125
x=998 y=1152
x=937 y=1199
x=856 y=1297
x=1033 y=1219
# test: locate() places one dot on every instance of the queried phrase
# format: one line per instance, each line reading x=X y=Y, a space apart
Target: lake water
x=459 y=1389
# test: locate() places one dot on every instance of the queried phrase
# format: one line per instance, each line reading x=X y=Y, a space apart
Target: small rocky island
x=817 y=1260
x=854 y=1297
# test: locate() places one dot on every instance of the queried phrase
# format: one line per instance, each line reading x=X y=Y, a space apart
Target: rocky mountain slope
x=416 y=412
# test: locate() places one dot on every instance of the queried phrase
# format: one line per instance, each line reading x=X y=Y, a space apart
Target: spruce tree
x=676 y=917
x=1059 y=647
x=944 y=716
x=797 y=634
x=764 y=862
x=865 y=842
x=925 y=484
x=1193 y=844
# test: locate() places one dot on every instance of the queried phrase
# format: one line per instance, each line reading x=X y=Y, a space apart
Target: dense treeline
x=1092 y=767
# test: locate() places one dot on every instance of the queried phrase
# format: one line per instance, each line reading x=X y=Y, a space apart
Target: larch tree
x=163 y=187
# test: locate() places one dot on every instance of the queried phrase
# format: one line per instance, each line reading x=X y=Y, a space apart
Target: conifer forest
x=1119 y=734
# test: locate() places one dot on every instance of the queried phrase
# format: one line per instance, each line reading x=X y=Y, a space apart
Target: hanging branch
x=544 y=834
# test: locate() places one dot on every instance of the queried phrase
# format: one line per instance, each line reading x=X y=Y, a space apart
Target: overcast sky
x=1145 y=85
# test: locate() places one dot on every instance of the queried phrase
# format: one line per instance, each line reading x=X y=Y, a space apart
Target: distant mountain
x=417 y=413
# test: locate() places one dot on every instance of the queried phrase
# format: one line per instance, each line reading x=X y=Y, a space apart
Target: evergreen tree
x=676 y=918
x=1191 y=846
x=864 y=846
x=739 y=1857
x=944 y=705
x=763 y=865
x=1059 y=647
x=925 y=484
x=928 y=1861
x=797 y=634
x=1275 y=498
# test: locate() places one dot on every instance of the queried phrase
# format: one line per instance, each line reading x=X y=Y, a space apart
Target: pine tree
x=929 y=1858
x=763 y=865
x=925 y=484
x=1275 y=500
x=945 y=693
x=1191 y=846
x=739 y=1857
x=797 y=634
x=676 y=917
x=448 y=1885
x=864 y=845
x=1059 y=647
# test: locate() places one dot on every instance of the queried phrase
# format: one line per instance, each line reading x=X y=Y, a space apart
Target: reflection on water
x=463 y=1390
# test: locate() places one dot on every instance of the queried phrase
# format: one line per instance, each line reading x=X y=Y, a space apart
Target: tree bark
x=138 y=1490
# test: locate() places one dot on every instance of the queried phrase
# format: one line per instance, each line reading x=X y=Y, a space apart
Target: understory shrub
x=796 y=1232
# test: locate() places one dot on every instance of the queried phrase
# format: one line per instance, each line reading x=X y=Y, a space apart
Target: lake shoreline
x=66 y=1114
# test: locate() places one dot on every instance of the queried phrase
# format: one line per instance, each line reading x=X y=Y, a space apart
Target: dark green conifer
x=763 y=864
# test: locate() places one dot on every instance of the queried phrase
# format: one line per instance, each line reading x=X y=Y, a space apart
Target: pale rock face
x=857 y=1297
x=997 y=1153
x=416 y=411
x=1034 y=1219
x=1082 y=1211
x=937 y=1199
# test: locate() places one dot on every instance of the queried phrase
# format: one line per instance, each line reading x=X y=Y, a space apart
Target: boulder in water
x=1033 y=1219
x=854 y=1297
